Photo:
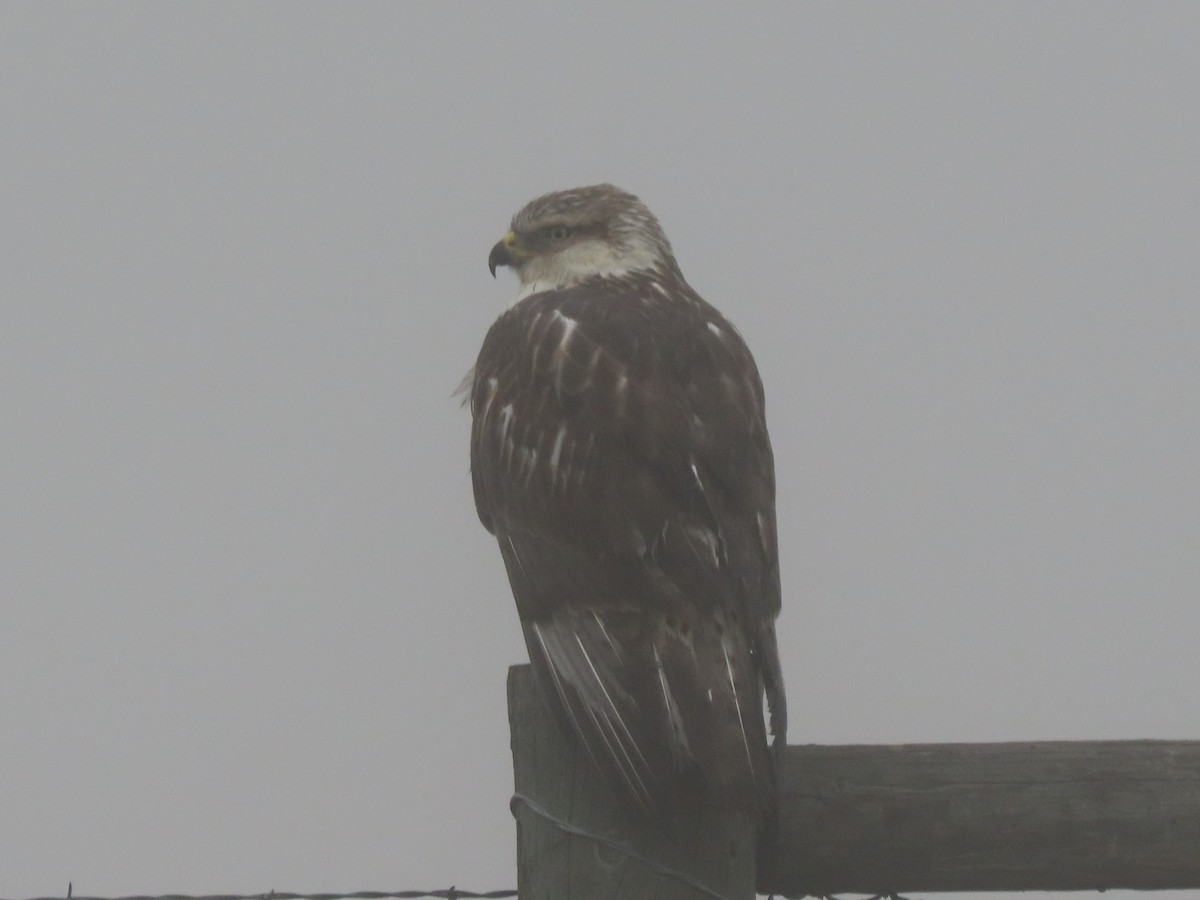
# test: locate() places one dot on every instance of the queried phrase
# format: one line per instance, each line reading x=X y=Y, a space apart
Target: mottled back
x=619 y=454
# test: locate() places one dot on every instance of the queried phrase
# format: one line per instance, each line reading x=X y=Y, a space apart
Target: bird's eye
x=558 y=233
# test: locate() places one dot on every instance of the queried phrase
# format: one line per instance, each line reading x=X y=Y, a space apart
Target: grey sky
x=252 y=635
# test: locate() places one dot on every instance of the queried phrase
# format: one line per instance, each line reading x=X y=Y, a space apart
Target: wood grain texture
x=617 y=854
x=1055 y=816
x=1046 y=816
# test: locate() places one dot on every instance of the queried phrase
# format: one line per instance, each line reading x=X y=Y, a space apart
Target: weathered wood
x=989 y=817
x=1087 y=815
x=596 y=849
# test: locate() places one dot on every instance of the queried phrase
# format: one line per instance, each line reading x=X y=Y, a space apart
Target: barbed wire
x=450 y=893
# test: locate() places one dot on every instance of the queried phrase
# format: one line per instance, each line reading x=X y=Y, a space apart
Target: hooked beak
x=506 y=253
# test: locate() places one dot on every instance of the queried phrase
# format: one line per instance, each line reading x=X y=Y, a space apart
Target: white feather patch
x=556 y=452
x=587 y=259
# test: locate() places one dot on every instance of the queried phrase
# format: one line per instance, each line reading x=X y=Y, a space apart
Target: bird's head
x=563 y=238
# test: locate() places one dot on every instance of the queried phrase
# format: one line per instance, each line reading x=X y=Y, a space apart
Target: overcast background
x=252 y=634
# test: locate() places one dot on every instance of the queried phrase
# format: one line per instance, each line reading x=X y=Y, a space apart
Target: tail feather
x=672 y=715
x=599 y=708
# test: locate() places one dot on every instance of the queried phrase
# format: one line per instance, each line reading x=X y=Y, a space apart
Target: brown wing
x=619 y=454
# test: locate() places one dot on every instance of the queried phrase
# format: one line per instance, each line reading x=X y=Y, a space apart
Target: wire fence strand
x=450 y=893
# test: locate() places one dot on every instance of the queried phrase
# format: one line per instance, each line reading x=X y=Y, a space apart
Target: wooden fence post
x=575 y=842
x=1036 y=816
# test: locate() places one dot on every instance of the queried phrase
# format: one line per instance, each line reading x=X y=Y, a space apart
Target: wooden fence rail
x=1060 y=816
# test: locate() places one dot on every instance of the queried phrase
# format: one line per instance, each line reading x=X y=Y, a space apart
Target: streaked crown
x=566 y=237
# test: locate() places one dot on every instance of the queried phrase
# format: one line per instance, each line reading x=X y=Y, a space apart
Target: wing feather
x=620 y=456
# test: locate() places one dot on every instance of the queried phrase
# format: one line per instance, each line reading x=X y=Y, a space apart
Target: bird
x=620 y=457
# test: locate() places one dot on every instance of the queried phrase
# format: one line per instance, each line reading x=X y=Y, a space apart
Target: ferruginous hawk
x=619 y=454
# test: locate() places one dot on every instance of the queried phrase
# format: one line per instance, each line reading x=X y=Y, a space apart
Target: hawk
x=619 y=454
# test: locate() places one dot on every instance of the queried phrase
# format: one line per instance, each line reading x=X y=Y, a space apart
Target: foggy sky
x=252 y=635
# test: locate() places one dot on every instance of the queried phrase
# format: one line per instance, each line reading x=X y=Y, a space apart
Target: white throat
x=584 y=260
